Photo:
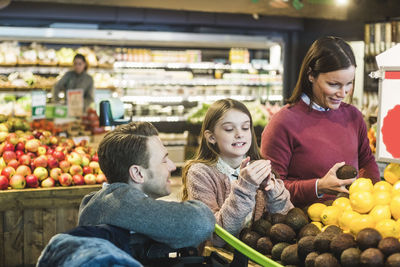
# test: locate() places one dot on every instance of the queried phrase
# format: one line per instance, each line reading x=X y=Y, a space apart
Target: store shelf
x=46 y=69
x=159 y=118
x=194 y=82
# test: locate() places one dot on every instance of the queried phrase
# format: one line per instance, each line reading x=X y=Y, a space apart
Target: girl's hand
x=330 y=184
x=256 y=171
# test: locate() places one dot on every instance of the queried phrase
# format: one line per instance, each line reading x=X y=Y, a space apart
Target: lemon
x=382 y=186
x=342 y=203
x=346 y=218
x=395 y=206
x=330 y=215
x=382 y=197
x=315 y=210
x=388 y=228
x=396 y=188
x=318 y=224
x=392 y=173
x=360 y=222
x=361 y=184
x=380 y=213
x=361 y=201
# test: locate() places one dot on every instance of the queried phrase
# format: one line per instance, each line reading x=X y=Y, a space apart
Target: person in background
x=78 y=78
x=222 y=176
x=316 y=133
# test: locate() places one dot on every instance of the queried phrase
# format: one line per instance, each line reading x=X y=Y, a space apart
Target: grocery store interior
x=162 y=62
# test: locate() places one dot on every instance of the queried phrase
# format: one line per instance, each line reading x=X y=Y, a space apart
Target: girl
x=221 y=176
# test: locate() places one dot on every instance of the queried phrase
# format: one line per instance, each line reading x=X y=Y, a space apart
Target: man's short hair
x=123 y=147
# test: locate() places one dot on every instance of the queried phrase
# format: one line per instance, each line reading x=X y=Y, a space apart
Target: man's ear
x=136 y=174
x=209 y=136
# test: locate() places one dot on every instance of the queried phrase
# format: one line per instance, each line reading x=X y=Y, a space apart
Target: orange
x=392 y=173
x=395 y=207
x=361 y=184
x=380 y=213
x=342 y=203
x=362 y=201
x=388 y=228
x=315 y=210
x=382 y=186
x=330 y=215
x=361 y=222
x=346 y=218
x=382 y=197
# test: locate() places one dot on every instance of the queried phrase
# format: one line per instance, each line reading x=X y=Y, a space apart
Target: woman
x=76 y=79
x=317 y=133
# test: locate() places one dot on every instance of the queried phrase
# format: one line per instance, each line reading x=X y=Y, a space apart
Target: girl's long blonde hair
x=207 y=152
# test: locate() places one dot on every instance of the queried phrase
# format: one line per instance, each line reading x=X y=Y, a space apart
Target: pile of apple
x=41 y=159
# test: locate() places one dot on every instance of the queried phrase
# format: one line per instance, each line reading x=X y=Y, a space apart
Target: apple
x=48 y=182
x=23 y=170
x=41 y=150
x=78 y=179
x=59 y=155
x=65 y=179
x=50 y=151
x=87 y=170
x=101 y=178
x=3 y=127
x=90 y=178
x=55 y=173
x=20 y=146
x=13 y=163
x=9 y=155
x=85 y=161
x=74 y=158
x=95 y=157
x=19 y=153
x=8 y=171
x=8 y=147
x=40 y=161
x=17 y=181
x=3 y=136
x=32 y=181
x=2 y=163
x=12 y=138
x=53 y=140
x=24 y=159
x=31 y=155
x=32 y=145
x=52 y=162
x=65 y=165
x=95 y=166
x=75 y=169
x=4 y=182
x=41 y=173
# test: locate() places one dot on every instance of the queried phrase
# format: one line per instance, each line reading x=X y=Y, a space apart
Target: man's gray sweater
x=177 y=224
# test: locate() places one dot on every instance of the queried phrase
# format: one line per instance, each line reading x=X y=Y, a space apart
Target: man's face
x=156 y=176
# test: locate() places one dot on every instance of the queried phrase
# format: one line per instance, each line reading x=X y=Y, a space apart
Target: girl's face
x=331 y=88
x=232 y=134
x=79 y=65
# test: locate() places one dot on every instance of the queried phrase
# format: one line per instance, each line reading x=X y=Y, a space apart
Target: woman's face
x=330 y=88
x=79 y=65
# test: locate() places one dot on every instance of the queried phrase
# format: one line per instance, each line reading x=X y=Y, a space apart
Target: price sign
x=75 y=102
x=38 y=104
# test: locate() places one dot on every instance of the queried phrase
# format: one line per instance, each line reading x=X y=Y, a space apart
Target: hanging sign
x=38 y=105
x=75 y=102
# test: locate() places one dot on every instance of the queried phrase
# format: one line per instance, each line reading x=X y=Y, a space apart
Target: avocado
x=393 y=260
x=372 y=257
x=309 y=230
x=326 y=260
x=277 y=249
x=264 y=245
x=262 y=227
x=278 y=218
x=296 y=219
x=333 y=229
x=305 y=246
x=243 y=232
x=323 y=241
x=310 y=259
x=350 y=257
x=342 y=242
x=346 y=172
x=282 y=233
x=251 y=238
x=289 y=255
x=368 y=238
x=389 y=245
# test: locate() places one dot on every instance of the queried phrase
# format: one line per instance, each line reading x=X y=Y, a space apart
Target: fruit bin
x=30 y=217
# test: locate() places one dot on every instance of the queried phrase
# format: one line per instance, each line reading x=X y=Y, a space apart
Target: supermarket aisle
x=176 y=189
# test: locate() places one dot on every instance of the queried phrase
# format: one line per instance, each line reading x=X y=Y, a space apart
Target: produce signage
x=38 y=104
x=388 y=138
x=75 y=102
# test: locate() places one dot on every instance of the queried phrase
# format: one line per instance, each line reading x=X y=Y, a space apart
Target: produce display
x=372 y=138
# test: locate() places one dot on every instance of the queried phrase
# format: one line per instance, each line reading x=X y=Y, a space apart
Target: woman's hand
x=330 y=184
x=256 y=171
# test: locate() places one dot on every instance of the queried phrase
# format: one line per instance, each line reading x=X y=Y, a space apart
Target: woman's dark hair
x=123 y=147
x=81 y=57
x=325 y=55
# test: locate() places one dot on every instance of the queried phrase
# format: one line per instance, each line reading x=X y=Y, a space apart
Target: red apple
x=8 y=147
x=31 y=155
x=40 y=161
x=32 y=181
x=90 y=178
x=52 y=162
x=20 y=146
x=18 y=181
x=9 y=155
x=101 y=178
x=3 y=182
x=74 y=158
x=48 y=182
x=12 y=138
x=8 y=171
x=24 y=160
x=13 y=163
x=65 y=165
x=32 y=145
x=65 y=179
x=78 y=179
x=49 y=151
x=95 y=166
x=55 y=173
x=95 y=157
x=23 y=170
x=41 y=173
x=19 y=153
x=59 y=155
x=87 y=170
x=75 y=169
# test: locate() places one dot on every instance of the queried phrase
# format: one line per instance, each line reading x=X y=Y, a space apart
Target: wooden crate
x=30 y=217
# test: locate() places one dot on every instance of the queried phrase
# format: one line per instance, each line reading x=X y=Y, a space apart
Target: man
x=138 y=169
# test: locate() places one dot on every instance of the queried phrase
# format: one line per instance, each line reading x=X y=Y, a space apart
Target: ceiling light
x=342 y=2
